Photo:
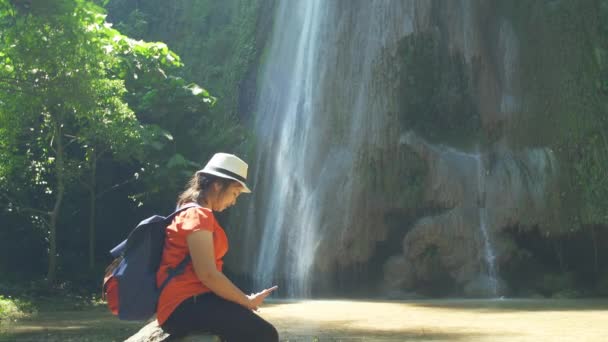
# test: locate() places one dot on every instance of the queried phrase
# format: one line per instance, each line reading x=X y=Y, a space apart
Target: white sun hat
x=229 y=166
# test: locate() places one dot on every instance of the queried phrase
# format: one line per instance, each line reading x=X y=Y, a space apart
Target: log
x=152 y=332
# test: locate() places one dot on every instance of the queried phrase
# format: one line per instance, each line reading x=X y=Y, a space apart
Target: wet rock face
x=372 y=109
x=460 y=85
x=486 y=287
x=481 y=194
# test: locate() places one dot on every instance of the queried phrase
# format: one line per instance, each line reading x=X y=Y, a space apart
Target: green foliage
x=11 y=308
x=176 y=111
x=72 y=89
x=218 y=43
x=57 y=87
x=591 y=166
x=85 y=110
x=566 y=97
x=180 y=112
x=591 y=174
x=218 y=46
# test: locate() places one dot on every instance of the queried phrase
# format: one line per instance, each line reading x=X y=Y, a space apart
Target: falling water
x=293 y=90
x=321 y=103
x=489 y=255
x=475 y=161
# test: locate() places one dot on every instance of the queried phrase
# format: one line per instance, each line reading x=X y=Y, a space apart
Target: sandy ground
x=336 y=320
x=441 y=320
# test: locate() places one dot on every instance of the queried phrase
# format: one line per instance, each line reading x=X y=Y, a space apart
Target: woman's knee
x=263 y=330
x=269 y=333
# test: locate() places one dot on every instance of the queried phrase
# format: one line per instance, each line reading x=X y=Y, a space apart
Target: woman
x=203 y=298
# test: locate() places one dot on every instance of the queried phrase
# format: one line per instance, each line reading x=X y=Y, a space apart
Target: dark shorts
x=212 y=314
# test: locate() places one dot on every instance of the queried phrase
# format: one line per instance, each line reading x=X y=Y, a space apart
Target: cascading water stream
x=474 y=161
x=489 y=255
x=290 y=127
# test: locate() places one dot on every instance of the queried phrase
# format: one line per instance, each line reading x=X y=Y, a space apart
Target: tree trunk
x=92 y=208
x=59 y=171
x=557 y=246
x=596 y=268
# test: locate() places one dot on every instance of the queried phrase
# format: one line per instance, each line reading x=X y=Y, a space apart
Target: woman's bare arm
x=200 y=244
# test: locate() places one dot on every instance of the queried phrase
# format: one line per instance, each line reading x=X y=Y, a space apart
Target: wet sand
x=440 y=320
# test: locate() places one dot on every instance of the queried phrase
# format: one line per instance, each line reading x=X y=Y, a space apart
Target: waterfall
x=322 y=103
x=332 y=155
x=488 y=251
x=285 y=122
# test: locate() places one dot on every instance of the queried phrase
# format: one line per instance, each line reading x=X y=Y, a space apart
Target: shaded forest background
x=101 y=129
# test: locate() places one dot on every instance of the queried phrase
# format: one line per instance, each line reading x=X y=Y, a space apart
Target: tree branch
x=84 y=184
x=16 y=90
x=114 y=187
x=25 y=209
x=14 y=80
x=35 y=211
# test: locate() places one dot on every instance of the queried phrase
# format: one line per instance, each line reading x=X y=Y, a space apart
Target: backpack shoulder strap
x=180 y=209
x=179 y=269
x=121 y=247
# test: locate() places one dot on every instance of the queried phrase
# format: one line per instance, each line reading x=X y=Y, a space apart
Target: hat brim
x=221 y=175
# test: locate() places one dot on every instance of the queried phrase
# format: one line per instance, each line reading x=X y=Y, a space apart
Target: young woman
x=203 y=298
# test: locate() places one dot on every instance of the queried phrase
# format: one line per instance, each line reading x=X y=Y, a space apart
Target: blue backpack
x=129 y=284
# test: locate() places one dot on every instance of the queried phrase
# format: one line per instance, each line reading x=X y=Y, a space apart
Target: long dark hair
x=198 y=188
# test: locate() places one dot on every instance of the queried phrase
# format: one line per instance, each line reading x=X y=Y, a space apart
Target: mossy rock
x=436 y=94
x=601 y=287
x=567 y=294
x=556 y=284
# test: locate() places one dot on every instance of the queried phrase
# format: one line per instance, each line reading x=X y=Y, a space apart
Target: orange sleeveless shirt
x=187 y=284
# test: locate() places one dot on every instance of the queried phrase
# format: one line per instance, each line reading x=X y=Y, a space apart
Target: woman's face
x=227 y=197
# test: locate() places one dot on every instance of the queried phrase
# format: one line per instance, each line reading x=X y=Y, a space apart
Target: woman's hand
x=256 y=299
